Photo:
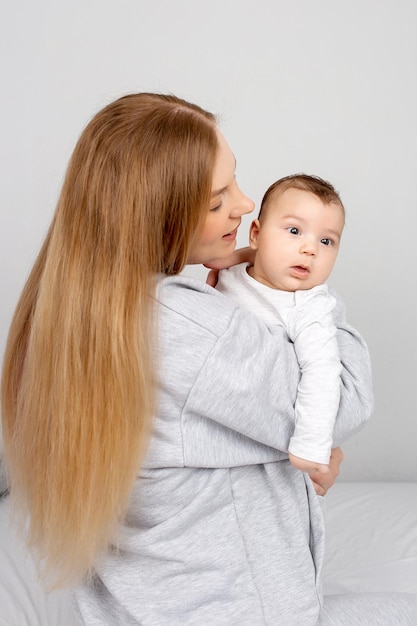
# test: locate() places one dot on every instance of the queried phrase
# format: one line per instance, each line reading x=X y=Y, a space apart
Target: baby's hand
x=237 y=256
x=308 y=466
x=323 y=482
x=212 y=278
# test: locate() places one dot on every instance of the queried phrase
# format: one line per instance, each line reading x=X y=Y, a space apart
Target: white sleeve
x=311 y=327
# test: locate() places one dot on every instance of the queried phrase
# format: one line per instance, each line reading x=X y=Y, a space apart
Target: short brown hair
x=314 y=184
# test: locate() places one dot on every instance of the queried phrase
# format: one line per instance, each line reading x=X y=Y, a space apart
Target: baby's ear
x=255 y=227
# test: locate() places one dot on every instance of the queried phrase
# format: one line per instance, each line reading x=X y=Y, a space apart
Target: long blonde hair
x=78 y=389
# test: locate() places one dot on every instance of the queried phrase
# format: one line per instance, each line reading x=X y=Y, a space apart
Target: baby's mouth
x=300 y=270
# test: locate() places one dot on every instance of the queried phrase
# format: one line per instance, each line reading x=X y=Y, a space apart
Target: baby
x=296 y=241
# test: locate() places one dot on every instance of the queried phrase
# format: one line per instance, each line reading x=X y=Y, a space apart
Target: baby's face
x=296 y=241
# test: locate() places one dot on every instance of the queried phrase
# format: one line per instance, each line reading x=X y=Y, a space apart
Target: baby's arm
x=310 y=326
x=308 y=466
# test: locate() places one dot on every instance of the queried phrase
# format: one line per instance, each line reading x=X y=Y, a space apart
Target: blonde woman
x=146 y=418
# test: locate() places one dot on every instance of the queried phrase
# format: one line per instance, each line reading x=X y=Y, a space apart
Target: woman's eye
x=217 y=207
x=326 y=241
x=293 y=230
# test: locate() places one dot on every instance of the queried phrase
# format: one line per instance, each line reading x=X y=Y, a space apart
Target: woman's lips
x=230 y=236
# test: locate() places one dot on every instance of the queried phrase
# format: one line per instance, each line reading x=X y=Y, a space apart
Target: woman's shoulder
x=193 y=301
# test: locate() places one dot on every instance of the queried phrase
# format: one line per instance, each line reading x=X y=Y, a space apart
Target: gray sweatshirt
x=221 y=529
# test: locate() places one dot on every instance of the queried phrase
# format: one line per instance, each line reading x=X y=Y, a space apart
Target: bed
x=371 y=547
x=371 y=543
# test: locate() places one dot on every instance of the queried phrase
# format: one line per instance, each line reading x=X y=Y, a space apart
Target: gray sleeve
x=356 y=398
x=247 y=388
x=244 y=393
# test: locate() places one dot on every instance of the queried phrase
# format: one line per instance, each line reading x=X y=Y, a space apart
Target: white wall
x=323 y=87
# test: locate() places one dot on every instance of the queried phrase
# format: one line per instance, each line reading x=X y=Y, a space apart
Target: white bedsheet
x=371 y=547
x=371 y=538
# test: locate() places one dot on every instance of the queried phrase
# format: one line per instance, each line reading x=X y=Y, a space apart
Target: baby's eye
x=293 y=230
x=326 y=241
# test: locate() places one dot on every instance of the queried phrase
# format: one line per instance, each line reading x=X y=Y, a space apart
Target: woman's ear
x=255 y=227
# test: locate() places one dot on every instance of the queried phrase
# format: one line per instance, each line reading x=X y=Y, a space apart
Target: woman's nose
x=242 y=204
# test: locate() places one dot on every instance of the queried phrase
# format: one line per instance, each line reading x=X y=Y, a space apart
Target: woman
x=117 y=367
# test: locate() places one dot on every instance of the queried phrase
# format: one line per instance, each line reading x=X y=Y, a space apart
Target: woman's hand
x=237 y=256
x=323 y=481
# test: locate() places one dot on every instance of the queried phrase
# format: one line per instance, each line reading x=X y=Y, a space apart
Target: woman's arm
x=234 y=381
x=244 y=394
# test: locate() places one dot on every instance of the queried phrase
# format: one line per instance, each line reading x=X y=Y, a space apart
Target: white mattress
x=371 y=547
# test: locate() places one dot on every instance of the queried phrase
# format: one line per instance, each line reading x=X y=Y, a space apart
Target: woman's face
x=227 y=205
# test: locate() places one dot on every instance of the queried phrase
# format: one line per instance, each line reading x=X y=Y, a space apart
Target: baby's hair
x=305 y=182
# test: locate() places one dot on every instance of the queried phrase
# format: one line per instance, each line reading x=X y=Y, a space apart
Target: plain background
x=324 y=87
